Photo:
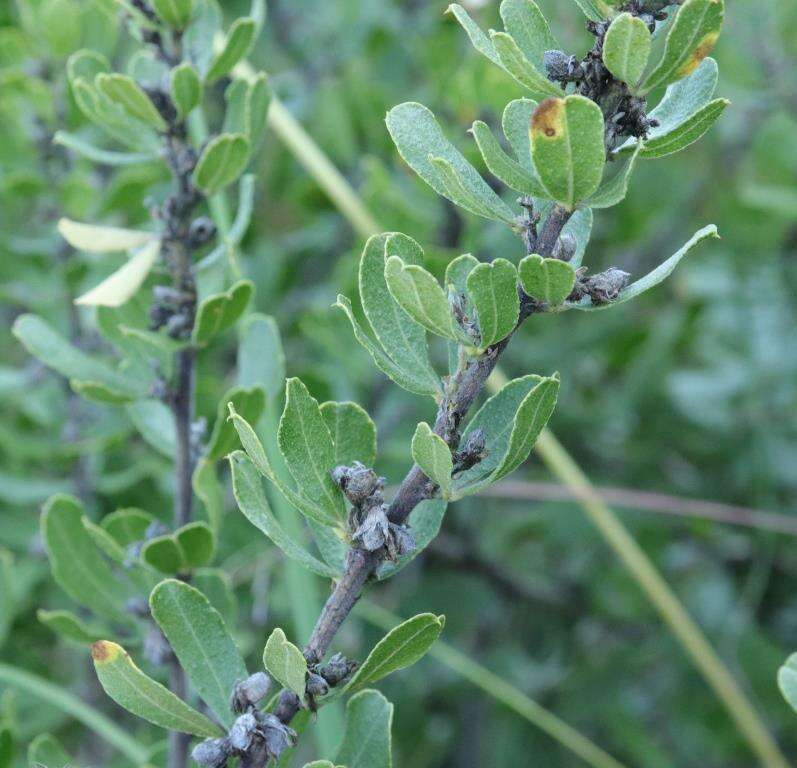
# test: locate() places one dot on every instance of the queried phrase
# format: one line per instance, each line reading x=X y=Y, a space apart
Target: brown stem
x=183 y=409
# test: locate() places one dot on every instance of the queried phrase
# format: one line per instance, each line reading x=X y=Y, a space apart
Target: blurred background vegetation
x=689 y=392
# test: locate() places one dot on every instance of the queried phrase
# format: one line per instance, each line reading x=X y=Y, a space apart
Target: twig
x=651 y=501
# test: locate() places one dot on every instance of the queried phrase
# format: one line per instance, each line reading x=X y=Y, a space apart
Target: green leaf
x=614 y=191
x=322 y=764
x=250 y=403
x=383 y=362
x=256 y=105
x=548 y=280
x=255 y=451
x=120 y=286
x=201 y=34
x=216 y=585
x=175 y=13
x=285 y=663
x=98 y=239
x=419 y=294
x=306 y=445
x=128 y=94
x=787 y=680
x=353 y=433
x=402 y=340
x=520 y=68
x=86 y=64
x=76 y=564
x=201 y=642
x=66 y=624
x=366 y=739
x=685 y=113
x=221 y=163
x=567 y=147
x=57 y=353
x=185 y=88
x=127 y=526
x=493 y=289
x=433 y=456
x=653 y=278
x=478 y=39
x=686 y=133
x=101 y=156
x=418 y=138
x=626 y=48
x=596 y=10
x=511 y=421
x=104 y=541
x=139 y=694
x=221 y=311
x=525 y=23
x=504 y=167
x=251 y=500
x=237 y=45
x=208 y=489
x=164 y=554
x=691 y=38
x=155 y=422
x=261 y=359
x=197 y=544
x=402 y=647
x=515 y=122
x=46 y=751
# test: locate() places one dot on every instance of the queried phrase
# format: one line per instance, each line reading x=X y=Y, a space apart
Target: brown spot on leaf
x=547 y=119
x=100 y=651
x=704 y=48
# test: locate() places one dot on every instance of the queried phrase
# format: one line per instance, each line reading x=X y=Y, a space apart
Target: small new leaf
x=419 y=294
x=185 y=88
x=546 y=280
x=175 y=13
x=128 y=94
x=139 y=694
x=433 y=456
x=492 y=288
x=626 y=48
x=222 y=162
x=285 y=662
x=237 y=45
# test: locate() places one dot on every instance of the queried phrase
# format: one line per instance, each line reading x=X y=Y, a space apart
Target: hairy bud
x=276 y=734
x=247 y=693
x=337 y=669
x=201 y=231
x=316 y=685
x=211 y=753
x=606 y=286
x=243 y=731
x=565 y=247
x=560 y=67
x=357 y=482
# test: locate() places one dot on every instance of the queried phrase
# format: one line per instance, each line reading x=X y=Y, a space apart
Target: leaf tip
x=104 y=651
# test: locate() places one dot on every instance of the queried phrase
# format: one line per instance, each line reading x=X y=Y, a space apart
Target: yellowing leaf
x=97 y=239
x=117 y=288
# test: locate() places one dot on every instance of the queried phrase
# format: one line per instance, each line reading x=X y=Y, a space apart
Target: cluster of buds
x=255 y=737
x=368 y=522
x=602 y=287
x=173 y=309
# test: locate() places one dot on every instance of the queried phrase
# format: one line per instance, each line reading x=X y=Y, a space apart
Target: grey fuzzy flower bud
x=337 y=669
x=560 y=67
x=243 y=731
x=374 y=530
x=247 y=693
x=202 y=230
x=606 y=286
x=278 y=736
x=316 y=685
x=211 y=753
x=357 y=482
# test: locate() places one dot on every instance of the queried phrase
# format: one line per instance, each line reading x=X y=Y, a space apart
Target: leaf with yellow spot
x=691 y=38
x=144 y=697
x=567 y=148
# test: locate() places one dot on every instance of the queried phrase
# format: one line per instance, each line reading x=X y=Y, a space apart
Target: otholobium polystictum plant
x=570 y=146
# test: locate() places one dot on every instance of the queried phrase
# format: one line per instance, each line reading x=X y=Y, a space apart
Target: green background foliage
x=688 y=391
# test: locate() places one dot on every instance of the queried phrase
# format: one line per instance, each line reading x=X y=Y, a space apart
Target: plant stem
x=53 y=694
x=183 y=409
x=502 y=691
x=178 y=742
